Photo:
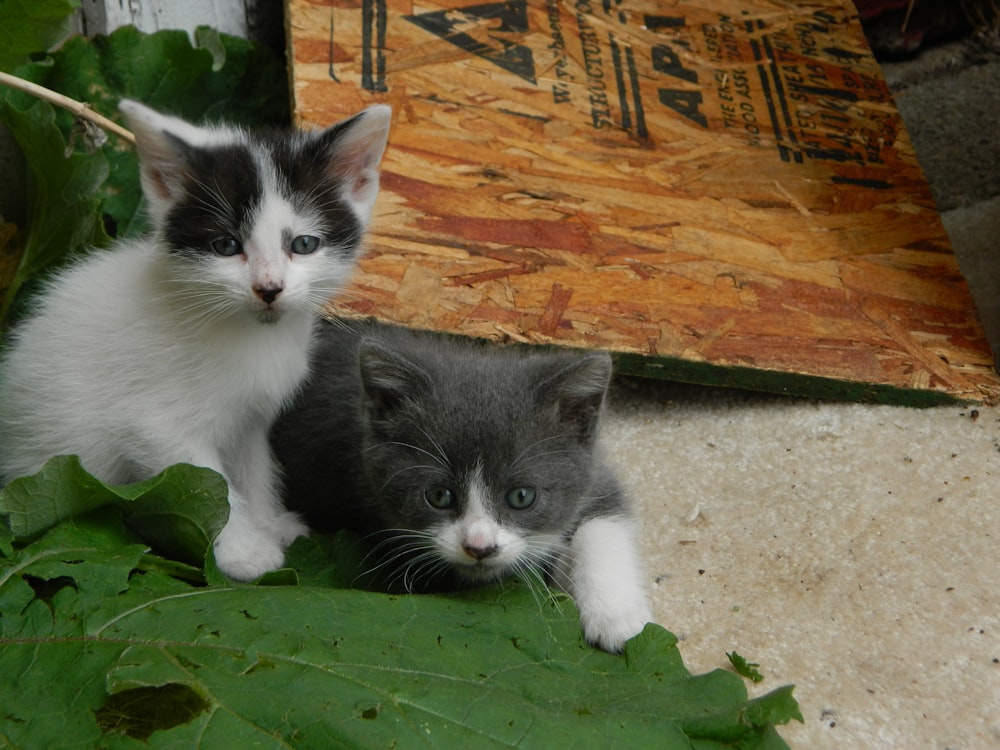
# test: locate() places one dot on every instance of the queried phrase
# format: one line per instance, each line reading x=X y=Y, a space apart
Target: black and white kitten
x=185 y=345
x=472 y=462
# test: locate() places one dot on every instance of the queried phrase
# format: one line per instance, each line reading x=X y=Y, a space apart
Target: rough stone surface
x=974 y=231
x=949 y=97
x=952 y=121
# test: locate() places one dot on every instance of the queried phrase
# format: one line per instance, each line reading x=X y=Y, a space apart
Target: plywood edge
x=675 y=369
x=793 y=384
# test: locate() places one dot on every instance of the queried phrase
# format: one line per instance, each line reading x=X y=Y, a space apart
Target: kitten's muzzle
x=479 y=553
x=268 y=294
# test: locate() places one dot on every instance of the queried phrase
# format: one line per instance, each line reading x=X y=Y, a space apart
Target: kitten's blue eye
x=227 y=246
x=520 y=498
x=439 y=497
x=305 y=244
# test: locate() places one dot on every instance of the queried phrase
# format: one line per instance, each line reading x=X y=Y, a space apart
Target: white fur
x=477 y=529
x=136 y=359
x=600 y=568
x=603 y=573
x=115 y=371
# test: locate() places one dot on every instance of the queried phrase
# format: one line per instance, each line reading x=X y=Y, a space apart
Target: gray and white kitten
x=471 y=462
x=184 y=346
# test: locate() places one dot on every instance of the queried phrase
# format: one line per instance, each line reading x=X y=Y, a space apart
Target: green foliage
x=123 y=646
x=176 y=511
x=745 y=668
x=63 y=207
x=28 y=26
x=77 y=189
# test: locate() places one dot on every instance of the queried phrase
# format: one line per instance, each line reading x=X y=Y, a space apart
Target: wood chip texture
x=714 y=190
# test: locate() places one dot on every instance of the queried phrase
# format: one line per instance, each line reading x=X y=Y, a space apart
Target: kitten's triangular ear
x=161 y=142
x=388 y=377
x=576 y=392
x=353 y=149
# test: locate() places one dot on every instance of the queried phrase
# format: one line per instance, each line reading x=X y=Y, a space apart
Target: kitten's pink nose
x=268 y=293
x=479 y=553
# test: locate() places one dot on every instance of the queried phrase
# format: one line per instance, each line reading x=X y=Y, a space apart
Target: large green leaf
x=28 y=26
x=62 y=190
x=121 y=653
x=179 y=511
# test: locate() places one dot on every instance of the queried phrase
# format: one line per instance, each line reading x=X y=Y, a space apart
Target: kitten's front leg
x=254 y=538
x=605 y=577
x=242 y=550
x=261 y=517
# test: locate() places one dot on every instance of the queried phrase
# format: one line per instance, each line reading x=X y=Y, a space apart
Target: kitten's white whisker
x=540 y=591
x=410 y=547
x=403 y=469
x=417 y=448
x=203 y=316
x=215 y=202
x=414 y=570
x=423 y=565
x=442 y=456
x=536 y=457
x=339 y=323
x=528 y=450
x=605 y=496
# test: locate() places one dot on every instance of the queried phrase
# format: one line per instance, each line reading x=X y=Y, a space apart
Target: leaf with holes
x=124 y=653
x=28 y=26
x=179 y=511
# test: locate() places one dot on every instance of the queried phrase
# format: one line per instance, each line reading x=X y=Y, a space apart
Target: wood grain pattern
x=720 y=183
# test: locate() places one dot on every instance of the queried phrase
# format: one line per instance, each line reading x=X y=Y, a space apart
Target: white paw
x=605 y=577
x=607 y=625
x=288 y=527
x=243 y=553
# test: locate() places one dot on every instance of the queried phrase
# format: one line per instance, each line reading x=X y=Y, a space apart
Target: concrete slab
x=952 y=120
x=948 y=99
x=975 y=235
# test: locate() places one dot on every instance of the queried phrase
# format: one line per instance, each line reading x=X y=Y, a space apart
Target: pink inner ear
x=360 y=182
x=352 y=166
x=161 y=167
x=356 y=157
x=158 y=183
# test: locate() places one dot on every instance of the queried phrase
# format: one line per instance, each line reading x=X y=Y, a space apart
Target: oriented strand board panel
x=717 y=190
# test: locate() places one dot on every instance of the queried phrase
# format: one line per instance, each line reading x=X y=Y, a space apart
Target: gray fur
x=387 y=413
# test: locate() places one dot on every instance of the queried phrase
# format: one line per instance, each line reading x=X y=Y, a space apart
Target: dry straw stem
x=79 y=109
